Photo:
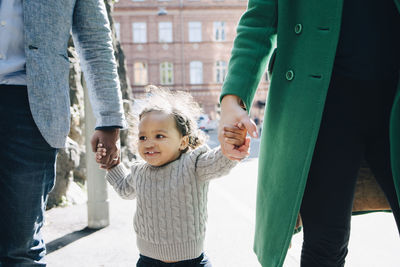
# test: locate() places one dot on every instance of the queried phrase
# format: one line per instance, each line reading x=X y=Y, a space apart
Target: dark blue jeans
x=27 y=170
x=201 y=261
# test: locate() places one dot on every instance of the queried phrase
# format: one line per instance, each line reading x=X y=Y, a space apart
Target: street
x=230 y=229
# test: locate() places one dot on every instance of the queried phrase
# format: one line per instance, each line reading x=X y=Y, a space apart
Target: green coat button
x=289 y=75
x=298 y=28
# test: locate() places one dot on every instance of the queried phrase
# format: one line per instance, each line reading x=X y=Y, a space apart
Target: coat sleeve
x=123 y=181
x=92 y=38
x=210 y=164
x=253 y=44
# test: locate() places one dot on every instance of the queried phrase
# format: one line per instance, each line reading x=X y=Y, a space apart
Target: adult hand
x=102 y=152
x=109 y=138
x=233 y=114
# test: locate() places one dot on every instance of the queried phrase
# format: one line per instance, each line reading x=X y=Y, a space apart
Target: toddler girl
x=171 y=184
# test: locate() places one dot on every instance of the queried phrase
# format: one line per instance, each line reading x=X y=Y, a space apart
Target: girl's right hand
x=102 y=152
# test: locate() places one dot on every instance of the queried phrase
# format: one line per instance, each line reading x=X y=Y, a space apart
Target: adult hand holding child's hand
x=101 y=152
x=109 y=139
x=234 y=145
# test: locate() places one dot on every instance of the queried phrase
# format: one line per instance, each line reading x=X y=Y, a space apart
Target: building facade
x=182 y=45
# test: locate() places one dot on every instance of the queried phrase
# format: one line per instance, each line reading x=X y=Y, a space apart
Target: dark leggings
x=201 y=261
x=354 y=127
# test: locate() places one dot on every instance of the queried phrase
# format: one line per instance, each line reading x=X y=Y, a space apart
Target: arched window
x=139 y=32
x=196 y=72
x=219 y=30
x=194 y=31
x=166 y=73
x=220 y=71
x=140 y=73
x=165 y=32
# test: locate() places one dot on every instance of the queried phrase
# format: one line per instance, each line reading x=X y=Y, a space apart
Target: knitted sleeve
x=123 y=181
x=210 y=164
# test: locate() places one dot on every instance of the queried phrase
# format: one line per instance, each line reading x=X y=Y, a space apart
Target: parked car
x=204 y=123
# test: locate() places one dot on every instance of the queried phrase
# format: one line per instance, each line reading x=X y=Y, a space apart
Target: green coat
x=306 y=34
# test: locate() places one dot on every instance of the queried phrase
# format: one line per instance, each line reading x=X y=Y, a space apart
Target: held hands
x=102 y=152
x=107 y=139
x=236 y=136
x=233 y=115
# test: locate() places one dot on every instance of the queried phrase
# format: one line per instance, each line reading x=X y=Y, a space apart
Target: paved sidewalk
x=374 y=239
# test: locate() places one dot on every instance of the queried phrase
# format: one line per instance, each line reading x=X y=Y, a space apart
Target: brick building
x=181 y=45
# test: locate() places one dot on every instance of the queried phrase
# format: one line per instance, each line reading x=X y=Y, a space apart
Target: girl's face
x=160 y=142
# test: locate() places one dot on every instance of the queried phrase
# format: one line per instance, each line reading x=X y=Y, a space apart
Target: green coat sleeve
x=253 y=44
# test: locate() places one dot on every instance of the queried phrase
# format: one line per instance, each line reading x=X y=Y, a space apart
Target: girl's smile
x=160 y=142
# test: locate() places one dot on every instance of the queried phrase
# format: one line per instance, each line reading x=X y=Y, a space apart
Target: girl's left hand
x=235 y=135
x=245 y=148
x=232 y=113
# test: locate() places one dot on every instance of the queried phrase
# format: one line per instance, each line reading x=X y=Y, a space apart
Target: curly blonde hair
x=181 y=106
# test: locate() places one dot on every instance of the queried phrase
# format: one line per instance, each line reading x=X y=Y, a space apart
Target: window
x=165 y=32
x=196 y=72
x=166 y=73
x=220 y=71
x=194 y=31
x=139 y=32
x=219 y=30
x=117 y=30
x=140 y=73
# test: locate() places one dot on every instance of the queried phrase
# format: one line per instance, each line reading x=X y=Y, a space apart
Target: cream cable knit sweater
x=171 y=206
